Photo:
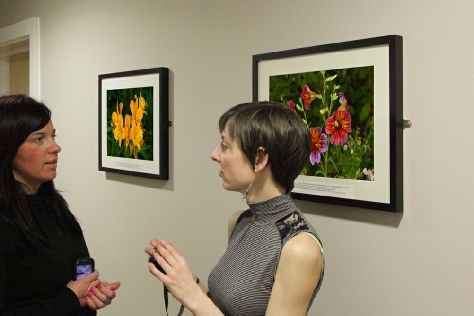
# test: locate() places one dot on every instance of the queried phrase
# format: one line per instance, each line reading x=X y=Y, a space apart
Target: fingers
x=113 y=286
x=170 y=261
x=102 y=295
x=162 y=258
x=154 y=242
x=152 y=249
x=90 y=303
x=160 y=270
x=91 y=277
x=95 y=283
x=95 y=303
x=168 y=252
x=96 y=299
x=171 y=250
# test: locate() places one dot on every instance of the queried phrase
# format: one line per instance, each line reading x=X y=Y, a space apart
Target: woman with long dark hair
x=40 y=238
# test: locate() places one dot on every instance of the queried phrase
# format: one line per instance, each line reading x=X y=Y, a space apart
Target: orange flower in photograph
x=117 y=120
x=127 y=130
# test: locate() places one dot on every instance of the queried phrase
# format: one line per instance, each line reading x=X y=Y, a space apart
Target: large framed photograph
x=350 y=97
x=133 y=123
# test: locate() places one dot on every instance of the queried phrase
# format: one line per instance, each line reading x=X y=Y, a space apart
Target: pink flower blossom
x=342 y=99
x=318 y=144
x=308 y=96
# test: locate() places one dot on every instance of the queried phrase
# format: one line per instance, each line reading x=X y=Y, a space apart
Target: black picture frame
x=384 y=56
x=137 y=145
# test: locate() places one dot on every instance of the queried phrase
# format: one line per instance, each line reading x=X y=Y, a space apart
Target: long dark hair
x=20 y=116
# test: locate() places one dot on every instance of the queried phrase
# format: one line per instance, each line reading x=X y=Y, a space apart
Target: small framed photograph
x=350 y=97
x=134 y=123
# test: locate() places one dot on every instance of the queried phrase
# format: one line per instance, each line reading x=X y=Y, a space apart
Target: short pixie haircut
x=273 y=126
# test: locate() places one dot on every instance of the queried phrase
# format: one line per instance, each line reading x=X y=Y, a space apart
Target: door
x=19 y=58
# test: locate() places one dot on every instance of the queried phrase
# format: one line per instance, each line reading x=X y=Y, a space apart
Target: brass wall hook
x=405 y=124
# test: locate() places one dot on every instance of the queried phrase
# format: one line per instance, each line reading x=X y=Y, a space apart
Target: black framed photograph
x=350 y=97
x=134 y=123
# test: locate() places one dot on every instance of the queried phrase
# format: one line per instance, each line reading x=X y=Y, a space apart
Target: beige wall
x=415 y=263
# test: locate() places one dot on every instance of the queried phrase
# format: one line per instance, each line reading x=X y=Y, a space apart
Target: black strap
x=165 y=293
x=181 y=310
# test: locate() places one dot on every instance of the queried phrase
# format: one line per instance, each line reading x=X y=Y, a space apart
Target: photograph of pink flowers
x=349 y=95
x=133 y=123
x=338 y=150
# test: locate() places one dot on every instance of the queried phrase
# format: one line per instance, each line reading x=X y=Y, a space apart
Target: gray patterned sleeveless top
x=242 y=281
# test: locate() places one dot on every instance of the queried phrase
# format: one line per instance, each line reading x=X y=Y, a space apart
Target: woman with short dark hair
x=274 y=262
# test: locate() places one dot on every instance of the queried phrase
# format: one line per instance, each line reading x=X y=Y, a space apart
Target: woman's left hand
x=102 y=295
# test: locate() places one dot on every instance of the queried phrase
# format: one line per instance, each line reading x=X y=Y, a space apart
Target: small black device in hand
x=153 y=260
x=83 y=266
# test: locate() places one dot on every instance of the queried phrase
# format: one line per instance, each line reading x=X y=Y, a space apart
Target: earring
x=246 y=192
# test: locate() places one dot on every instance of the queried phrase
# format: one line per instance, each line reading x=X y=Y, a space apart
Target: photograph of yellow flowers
x=133 y=123
x=349 y=95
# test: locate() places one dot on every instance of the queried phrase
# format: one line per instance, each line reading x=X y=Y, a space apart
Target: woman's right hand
x=82 y=286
